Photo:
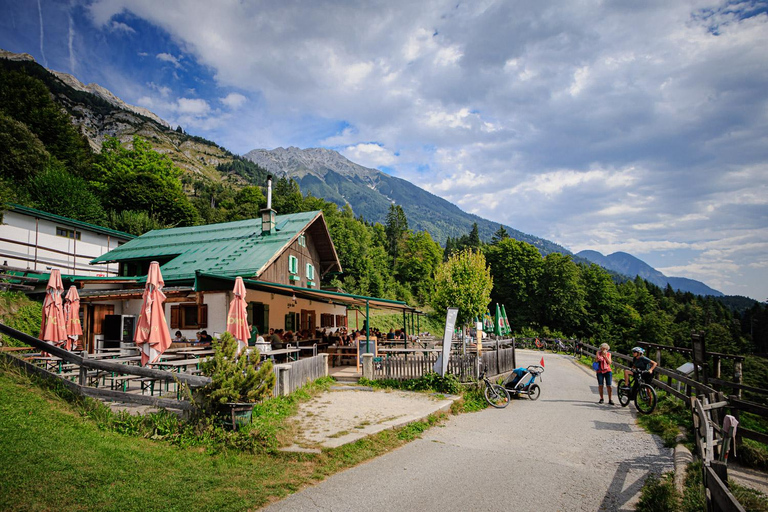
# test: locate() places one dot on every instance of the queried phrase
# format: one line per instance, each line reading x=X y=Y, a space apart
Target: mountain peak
x=311 y=161
x=631 y=266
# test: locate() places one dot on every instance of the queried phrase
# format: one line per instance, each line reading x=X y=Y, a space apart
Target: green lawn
x=54 y=459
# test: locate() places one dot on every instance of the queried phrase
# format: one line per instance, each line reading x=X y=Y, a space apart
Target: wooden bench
x=122 y=381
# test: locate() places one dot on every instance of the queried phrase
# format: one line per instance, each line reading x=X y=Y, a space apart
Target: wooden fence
x=291 y=376
x=463 y=366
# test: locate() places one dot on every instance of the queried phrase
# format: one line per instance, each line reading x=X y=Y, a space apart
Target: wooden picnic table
x=179 y=363
x=197 y=352
x=408 y=350
x=289 y=353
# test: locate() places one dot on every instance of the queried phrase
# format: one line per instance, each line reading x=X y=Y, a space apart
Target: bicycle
x=559 y=345
x=642 y=393
x=495 y=394
x=539 y=344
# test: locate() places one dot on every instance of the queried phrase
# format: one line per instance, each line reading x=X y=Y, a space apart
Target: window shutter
x=175 y=317
x=202 y=316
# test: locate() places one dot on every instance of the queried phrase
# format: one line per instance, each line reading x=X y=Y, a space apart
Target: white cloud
x=233 y=100
x=370 y=155
x=117 y=26
x=167 y=57
x=193 y=106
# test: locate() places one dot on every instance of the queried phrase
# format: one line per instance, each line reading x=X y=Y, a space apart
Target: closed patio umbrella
x=72 y=315
x=53 y=328
x=237 y=318
x=507 y=327
x=152 y=334
x=498 y=325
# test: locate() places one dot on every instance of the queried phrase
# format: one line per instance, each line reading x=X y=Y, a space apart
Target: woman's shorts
x=606 y=377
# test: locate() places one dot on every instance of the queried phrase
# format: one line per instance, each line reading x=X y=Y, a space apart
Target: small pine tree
x=236 y=379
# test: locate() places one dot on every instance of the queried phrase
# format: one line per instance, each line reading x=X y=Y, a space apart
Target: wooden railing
x=291 y=376
x=86 y=368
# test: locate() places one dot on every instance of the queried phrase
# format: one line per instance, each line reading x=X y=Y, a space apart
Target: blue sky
x=615 y=126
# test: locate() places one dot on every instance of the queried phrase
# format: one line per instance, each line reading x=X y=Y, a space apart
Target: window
x=293 y=268
x=302 y=241
x=67 y=233
x=310 y=275
x=189 y=316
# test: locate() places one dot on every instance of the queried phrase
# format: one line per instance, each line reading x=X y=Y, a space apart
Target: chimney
x=268 y=214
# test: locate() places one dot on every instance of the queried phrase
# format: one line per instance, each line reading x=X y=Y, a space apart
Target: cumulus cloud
x=370 y=155
x=167 y=57
x=233 y=100
x=615 y=126
x=118 y=26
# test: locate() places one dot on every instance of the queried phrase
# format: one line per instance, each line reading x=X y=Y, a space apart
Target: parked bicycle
x=495 y=394
x=639 y=390
x=559 y=345
x=539 y=344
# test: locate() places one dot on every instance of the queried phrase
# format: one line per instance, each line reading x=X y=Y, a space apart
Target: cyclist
x=640 y=363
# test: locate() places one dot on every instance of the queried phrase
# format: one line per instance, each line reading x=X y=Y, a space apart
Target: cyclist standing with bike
x=640 y=363
x=604 y=372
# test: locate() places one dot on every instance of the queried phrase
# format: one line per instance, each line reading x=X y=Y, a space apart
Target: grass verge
x=659 y=494
x=58 y=454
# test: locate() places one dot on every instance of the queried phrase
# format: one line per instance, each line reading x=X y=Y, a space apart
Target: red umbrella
x=152 y=334
x=237 y=319
x=72 y=311
x=53 y=329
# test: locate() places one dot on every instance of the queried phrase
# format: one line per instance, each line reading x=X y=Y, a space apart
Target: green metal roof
x=68 y=222
x=230 y=249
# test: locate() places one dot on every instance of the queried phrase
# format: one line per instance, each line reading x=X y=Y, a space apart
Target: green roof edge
x=299 y=288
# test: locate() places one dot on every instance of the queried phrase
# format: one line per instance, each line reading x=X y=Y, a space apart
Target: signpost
x=441 y=365
x=699 y=355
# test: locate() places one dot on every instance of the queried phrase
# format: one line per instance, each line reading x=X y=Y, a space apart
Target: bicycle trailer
x=522 y=381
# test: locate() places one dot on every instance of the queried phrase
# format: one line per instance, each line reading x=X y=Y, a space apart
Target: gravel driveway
x=563 y=452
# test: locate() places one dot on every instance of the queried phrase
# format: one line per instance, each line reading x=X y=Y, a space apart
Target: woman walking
x=604 y=373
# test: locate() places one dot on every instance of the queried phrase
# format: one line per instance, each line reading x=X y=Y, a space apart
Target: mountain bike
x=638 y=390
x=539 y=344
x=559 y=345
x=495 y=394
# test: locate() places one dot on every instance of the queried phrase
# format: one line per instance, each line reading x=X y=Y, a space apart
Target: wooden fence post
x=658 y=356
x=716 y=364
x=737 y=376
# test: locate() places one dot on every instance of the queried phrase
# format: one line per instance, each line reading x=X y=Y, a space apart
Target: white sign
x=441 y=365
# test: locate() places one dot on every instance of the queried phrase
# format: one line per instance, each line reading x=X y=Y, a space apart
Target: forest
x=46 y=163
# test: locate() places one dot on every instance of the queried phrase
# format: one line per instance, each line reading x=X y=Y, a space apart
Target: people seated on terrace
x=275 y=340
x=204 y=337
x=179 y=338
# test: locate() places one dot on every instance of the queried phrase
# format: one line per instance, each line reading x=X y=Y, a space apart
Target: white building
x=39 y=241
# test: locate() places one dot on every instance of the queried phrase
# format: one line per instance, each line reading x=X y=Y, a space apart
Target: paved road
x=563 y=452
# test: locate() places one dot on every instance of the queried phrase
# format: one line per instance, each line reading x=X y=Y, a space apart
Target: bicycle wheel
x=645 y=399
x=569 y=350
x=496 y=396
x=534 y=391
x=623 y=391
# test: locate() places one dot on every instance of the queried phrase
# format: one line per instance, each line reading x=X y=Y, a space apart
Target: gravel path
x=563 y=452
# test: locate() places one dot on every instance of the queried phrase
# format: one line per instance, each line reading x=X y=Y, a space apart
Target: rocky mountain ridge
x=328 y=174
x=99 y=114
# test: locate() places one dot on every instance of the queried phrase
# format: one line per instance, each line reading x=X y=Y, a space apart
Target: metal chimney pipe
x=269 y=192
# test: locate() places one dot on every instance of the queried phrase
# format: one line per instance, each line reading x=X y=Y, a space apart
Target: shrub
x=235 y=379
